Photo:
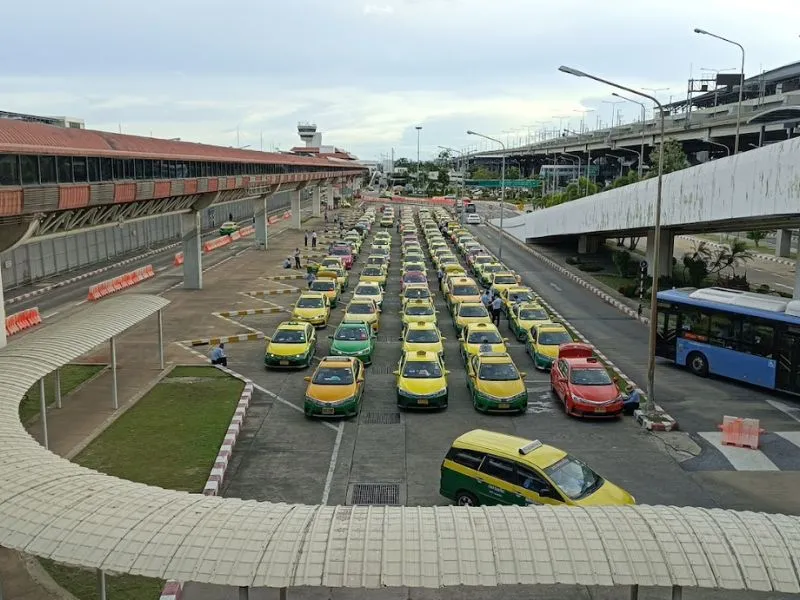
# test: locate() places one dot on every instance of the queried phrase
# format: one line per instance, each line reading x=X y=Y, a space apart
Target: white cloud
x=372 y=9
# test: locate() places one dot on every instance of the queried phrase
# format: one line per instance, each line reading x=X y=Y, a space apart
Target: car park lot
x=385 y=455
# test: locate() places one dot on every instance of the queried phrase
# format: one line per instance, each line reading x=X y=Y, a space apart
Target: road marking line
x=275 y=396
x=790 y=436
x=555 y=287
x=789 y=411
x=742 y=459
x=783 y=285
x=326 y=491
x=52 y=314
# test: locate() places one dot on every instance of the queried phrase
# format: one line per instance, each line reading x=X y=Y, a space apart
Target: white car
x=473 y=219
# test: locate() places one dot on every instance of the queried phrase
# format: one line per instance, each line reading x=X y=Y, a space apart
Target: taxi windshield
x=590 y=377
x=375 y=260
x=533 y=314
x=498 y=372
x=289 y=336
x=351 y=334
x=482 y=258
x=414 y=267
x=520 y=297
x=341 y=251
x=492 y=268
x=484 y=337
x=422 y=369
x=372 y=272
x=573 y=477
x=473 y=311
x=367 y=290
x=554 y=338
x=422 y=336
x=333 y=376
x=361 y=308
x=310 y=303
x=323 y=286
x=417 y=293
x=414 y=276
x=466 y=290
x=417 y=309
x=505 y=279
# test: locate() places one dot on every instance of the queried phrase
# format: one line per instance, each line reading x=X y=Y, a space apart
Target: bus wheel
x=698 y=364
x=466 y=499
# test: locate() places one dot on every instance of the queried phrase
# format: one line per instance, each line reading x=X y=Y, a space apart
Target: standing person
x=305 y=238
x=326 y=216
x=310 y=277
x=230 y=216
x=496 y=304
x=486 y=299
x=440 y=275
x=297 y=258
x=218 y=356
x=313 y=239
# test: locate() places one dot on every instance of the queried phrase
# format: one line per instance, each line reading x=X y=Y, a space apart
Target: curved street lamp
x=502 y=188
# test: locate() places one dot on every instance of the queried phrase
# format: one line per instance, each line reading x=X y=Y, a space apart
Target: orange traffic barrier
x=272 y=220
x=121 y=282
x=743 y=433
x=287 y=214
x=235 y=235
x=178 y=259
x=216 y=243
x=245 y=231
x=22 y=320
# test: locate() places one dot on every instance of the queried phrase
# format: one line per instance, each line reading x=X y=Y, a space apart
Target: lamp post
x=502 y=188
x=713 y=143
x=741 y=83
x=644 y=116
x=613 y=112
x=639 y=154
x=583 y=116
x=418 y=128
x=576 y=156
x=461 y=170
x=651 y=346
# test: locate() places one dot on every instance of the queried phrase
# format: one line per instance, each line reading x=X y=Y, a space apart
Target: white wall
x=757 y=183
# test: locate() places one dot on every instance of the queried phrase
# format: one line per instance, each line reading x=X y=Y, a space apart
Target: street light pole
x=644 y=116
x=461 y=170
x=502 y=189
x=418 y=128
x=741 y=83
x=713 y=143
x=651 y=346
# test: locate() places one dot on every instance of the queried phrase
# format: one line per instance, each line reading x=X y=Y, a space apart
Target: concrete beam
x=783 y=243
x=191 y=234
x=206 y=200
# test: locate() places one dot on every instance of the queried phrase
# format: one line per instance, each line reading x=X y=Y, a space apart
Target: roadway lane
x=698 y=404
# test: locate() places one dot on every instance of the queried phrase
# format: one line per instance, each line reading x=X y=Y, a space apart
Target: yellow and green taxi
x=418 y=310
x=495 y=384
x=228 y=227
x=543 y=342
x=328 y=286
x=313 y=307
x=452 y=262
x=331 y=261
x=353 y=338
x=383 y=236
x=481 y=337
x=461 y=289
x=336 y=388
x=355 y=240
x=341 y=275
x=387 y=220
x=368 y=291
x=467 y=313
x=524 y=316
x=413 y=265
x=503 y=280
x=486 y=468
x=415 y=291
x=516 y=295
x=378 y=260
x=291 y=346
x=421 y=380
x=364 y=310
x=422 y=336
x=373 y=274
x=381 y=246
x=485 y=271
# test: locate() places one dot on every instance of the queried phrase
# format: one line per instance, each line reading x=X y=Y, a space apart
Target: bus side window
x=724 y=330
x=695 y=325
x=758 y=338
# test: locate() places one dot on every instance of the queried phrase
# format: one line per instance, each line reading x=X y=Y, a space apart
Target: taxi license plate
x=422 y=401
x=327 y=410
x=284 y=363
x=503 y=405
x=600 y=409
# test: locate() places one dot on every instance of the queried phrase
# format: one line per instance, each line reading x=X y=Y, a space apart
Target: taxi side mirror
x=523 y=374
x=330 y=337
x=443 y=339
x=505 y=339
x=446 y=372
x=306 y=378
x=396 y=372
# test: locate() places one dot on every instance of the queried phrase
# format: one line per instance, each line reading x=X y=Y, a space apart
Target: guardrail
x=24 y=319
x=121 y=282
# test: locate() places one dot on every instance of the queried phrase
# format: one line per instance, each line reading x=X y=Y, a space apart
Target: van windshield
x=573 y=477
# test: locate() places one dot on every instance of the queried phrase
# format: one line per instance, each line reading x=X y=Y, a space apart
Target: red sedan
x=412 y=277
x=345 y=253
x=582 y=383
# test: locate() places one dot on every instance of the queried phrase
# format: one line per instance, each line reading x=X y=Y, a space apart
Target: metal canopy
x=55 y=509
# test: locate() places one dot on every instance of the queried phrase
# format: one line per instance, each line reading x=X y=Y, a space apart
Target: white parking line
x=555 y=287
x=783 y=285
x=326 y=491
x=790 y=411
x=275 y=396
x=52 y=314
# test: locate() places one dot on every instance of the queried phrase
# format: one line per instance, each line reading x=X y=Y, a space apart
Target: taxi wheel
x=464 y=498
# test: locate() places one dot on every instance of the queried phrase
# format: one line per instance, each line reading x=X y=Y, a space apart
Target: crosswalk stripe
x=742 y=459
x=790 y=436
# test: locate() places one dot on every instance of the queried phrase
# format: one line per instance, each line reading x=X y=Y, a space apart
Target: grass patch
x=613 y=281
x=182 y=426
x=196 y=371
x=71 y=377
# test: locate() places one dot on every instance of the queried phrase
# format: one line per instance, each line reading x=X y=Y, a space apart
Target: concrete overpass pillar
x=329 y=195
x=191 y=232
x=588 y=244
x=665 y=253
x=316 y=201
x=296 y=215
x=260 y=216
x=783 y=243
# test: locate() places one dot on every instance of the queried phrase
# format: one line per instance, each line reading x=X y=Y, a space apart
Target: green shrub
x=573 y=260
x=629 y=290
x=590 y=267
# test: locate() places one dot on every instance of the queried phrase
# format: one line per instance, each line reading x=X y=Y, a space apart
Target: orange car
x=336 y=388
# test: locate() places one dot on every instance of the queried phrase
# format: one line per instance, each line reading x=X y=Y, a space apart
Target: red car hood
x=595 y=393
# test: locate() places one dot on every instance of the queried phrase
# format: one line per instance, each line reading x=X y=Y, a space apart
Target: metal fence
x=38 y=260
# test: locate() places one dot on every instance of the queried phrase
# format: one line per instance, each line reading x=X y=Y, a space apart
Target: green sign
x=527 y=184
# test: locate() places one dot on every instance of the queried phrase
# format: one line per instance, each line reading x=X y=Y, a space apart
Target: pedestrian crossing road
x=777 y=451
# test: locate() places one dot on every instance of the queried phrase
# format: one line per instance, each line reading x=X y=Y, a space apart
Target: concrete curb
x=173 y=590
x=767 y=257
x=663 y=421
x=229 y=339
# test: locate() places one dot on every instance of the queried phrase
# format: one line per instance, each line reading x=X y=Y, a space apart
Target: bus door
x=666 y=341
x=788 y=377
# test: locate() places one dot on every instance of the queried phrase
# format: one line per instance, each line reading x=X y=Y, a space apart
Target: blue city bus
x=753 y=338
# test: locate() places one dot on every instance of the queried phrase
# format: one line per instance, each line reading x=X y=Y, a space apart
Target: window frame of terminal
x=51 y=169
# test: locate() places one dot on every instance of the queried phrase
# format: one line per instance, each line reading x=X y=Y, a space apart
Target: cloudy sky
x=367 y=72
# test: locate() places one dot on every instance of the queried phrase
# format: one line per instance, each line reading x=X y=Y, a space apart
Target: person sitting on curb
x=218 y=356
x=287 y=264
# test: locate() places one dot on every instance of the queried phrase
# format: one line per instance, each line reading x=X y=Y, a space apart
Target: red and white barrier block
x=173 y=590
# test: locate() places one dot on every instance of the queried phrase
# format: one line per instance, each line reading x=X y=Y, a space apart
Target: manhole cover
x=375 y=493
x=380 y=418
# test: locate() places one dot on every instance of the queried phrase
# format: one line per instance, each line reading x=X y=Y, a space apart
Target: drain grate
x=375 y=493
x=380 y=418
